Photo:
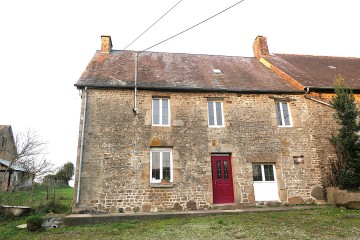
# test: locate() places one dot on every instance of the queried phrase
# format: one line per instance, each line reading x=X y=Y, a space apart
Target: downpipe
x=81 y=148
x=135 y=81
x=316 y=100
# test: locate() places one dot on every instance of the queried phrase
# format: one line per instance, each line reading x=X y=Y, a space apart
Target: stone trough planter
x=14 y=211
x=343 y=198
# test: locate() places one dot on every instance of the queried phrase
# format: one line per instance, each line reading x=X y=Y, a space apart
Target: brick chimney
x=106 y=44
x=260 y=47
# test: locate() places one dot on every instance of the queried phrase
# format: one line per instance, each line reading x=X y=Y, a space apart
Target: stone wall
x=343 y=198
x=116 y=167
x=8 y=152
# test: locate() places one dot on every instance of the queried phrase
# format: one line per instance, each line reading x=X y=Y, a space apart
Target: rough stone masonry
x=117 y=143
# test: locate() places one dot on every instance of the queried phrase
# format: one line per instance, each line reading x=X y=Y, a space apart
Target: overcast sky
x=46 y=45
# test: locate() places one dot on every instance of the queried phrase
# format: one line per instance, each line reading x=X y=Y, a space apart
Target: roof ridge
x=181 y=53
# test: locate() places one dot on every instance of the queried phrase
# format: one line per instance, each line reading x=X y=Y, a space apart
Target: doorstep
x=227 y=206
x=81 y=219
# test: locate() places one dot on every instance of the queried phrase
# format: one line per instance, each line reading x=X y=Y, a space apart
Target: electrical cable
x=153 y=24
x=193 y=26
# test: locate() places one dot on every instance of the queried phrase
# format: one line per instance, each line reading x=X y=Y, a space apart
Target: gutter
x=81 y=148
x=330 y=89
x=187 y=89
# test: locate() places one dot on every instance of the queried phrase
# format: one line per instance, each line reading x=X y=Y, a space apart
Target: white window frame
x=161 y=150
x=282 y=114
x=215 y=125
x=263 y=172
x=160 y=112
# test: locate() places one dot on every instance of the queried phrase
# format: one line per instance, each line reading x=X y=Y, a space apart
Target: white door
x=265 y=186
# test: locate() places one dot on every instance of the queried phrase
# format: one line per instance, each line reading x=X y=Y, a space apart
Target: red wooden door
x=222 y=179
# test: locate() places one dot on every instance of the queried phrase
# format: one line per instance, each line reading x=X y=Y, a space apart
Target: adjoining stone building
x=11 y=174
x=171 y=131
x=7 y=143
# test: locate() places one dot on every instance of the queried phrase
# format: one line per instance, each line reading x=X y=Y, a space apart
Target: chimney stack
x=260 y=47
x=106 y=44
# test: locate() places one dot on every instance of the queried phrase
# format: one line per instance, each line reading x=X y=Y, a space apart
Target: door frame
x=268 y=187
x=229 y=183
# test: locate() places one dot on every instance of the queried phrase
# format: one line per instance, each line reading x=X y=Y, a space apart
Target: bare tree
x=31 y=154
x=30 y=157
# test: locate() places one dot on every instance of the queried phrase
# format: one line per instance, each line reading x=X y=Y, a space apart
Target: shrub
x=347 y=140
x=348 y=179
x=34 y=222
x=35 y=219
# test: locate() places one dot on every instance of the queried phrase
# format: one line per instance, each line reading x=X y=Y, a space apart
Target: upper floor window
x=161 y=112
x=161 y=165
x=215 y=112
x=283 y=115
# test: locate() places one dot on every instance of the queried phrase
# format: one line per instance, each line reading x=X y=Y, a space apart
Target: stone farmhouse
x=7 y=143
x=11 y=174
x=173 y=131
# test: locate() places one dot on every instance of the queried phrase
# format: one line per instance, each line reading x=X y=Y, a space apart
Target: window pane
x=269 y=173
x=257 y=176
x=156 y=113
x=165 y=111
x=286 y=114
x=278 y=114
x=211 y=113
x=155 y=165
x=226 y=170
x=218 y=169
x=166 y=165
x=218 y=114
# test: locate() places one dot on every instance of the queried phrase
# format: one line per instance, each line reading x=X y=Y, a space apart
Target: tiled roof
x=318 y=71
x=180 y=71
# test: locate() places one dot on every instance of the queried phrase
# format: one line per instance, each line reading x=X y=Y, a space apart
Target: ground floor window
x=161 y=165
x=263 y=173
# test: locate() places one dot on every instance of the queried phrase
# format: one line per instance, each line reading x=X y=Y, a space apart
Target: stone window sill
x=162 y=185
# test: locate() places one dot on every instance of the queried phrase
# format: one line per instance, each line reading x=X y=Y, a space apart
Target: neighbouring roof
x=318 y=71
x=13 y=166
x=179 y=71
x=3 y=129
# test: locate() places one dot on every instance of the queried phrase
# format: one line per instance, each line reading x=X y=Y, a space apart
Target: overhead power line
x=207 y=19
x=153 y=24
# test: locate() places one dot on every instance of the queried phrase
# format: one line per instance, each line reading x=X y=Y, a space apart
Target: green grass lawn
x=323 y=223
x=43 y=200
